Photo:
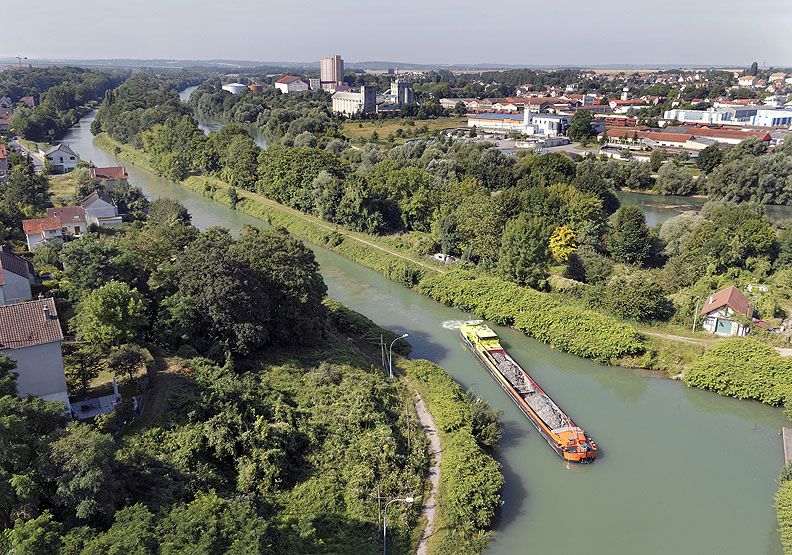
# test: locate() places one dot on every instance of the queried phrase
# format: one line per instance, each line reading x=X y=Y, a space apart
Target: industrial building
x=331 y=72
x=545 y=125
x=353 y=103
x=235 y=88
x=759 y=116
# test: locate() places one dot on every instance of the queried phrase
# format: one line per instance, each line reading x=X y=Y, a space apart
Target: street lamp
x=390 y=355
x=385 y=516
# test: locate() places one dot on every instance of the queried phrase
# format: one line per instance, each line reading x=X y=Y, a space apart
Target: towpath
x=429 y=511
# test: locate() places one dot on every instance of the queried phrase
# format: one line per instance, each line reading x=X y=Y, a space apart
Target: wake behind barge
x=564 y=437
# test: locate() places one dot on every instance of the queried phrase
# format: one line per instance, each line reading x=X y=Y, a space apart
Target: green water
x=681 y=471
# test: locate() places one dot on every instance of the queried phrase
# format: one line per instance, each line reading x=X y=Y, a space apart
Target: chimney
x=47 y=315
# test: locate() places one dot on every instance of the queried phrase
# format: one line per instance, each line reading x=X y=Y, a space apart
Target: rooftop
x=67 y=214
x=94 y=196
x=731 y=297
x=15 y=264
x=112 y=172
x=29 y=324
x=38 y=226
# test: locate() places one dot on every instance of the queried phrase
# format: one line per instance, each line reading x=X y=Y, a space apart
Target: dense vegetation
x=24 y=195
x=743 y=368
x=783 y=507
x=248 y=449
x=61 y=95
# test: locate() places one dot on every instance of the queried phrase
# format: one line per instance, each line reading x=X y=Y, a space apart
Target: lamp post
x=390 y=355
x=385 y=520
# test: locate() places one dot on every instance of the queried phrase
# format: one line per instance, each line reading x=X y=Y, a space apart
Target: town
x=337 y=306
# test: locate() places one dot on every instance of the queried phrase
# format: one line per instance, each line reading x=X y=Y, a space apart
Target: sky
x=573 y=32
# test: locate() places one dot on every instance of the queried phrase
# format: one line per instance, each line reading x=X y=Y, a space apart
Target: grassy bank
x=470 y=477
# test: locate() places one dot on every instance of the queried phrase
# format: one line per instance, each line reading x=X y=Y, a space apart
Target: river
x=681 y=471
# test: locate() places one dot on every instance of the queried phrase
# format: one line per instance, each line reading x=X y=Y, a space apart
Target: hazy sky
x=426 y=31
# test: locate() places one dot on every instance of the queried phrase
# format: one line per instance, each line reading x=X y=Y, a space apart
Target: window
x=76 y=230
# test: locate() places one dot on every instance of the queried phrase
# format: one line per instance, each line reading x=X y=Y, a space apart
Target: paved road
x=38 y=163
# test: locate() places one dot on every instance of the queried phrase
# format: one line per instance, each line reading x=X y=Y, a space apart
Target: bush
x=636 y=296
x=577 y=331
x=743 y=368
x=783 y=507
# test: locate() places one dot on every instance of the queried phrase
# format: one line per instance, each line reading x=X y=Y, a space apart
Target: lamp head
x=409 y=499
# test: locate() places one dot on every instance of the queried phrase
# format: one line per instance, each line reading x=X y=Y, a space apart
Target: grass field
x=62 y=188
x=411 y=128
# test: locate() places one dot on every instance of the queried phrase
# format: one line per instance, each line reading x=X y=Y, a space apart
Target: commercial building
x=331 y=72
x=758 y=116
x=289 y=84
x=545 y=125
x=30 y=335
x=353 y=103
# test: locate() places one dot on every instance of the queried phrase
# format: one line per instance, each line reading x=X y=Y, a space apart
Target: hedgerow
x=581 y=332
x=743 y=368
x=783 y=507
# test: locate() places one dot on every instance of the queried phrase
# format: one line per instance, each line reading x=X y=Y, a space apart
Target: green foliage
x=634 y=296
x=709 y=158
x=37 y=536
x=628 y=239
x=674 y=180
x=783 y=507
x=580 y=332
x=524 y=251
x=743 y=368
x=657 y=158
x=110 y=315
x=580 y=126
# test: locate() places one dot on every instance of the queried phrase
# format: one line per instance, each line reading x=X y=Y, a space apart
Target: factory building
x=331 y=72
x=353 y=103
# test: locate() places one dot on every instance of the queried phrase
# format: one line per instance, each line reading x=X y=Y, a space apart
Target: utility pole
x=695 y=315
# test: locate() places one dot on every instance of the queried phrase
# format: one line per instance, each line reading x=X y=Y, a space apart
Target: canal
x=681 y=471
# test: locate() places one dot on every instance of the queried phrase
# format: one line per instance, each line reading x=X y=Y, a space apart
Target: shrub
x=783 y=507
x=743 y=368
x=577 y=331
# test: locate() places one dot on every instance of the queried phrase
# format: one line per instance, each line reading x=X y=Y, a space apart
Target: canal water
x=681 y=471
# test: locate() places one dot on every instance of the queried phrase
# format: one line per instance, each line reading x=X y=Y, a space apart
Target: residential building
x=331 y=72
x=5 y=124
x=314 y=84
x=100 y=210
x=62 y=158
x=72 y=219
x=42 y=230
x=16 y=275
x=110 y=176
x=727 y=312
x=778 y=76
x=30 y=334
x=289 y=84
x=352 y=103
x=256 y=87
x=747 y=80
x=28 y=101
x=6 y=102
x=235 y=88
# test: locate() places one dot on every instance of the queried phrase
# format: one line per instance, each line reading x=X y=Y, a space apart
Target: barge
x=565 y=438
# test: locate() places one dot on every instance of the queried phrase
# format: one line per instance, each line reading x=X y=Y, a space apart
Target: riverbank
x=579 y=331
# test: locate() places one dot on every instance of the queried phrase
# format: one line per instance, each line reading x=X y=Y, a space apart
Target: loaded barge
x=567 y=440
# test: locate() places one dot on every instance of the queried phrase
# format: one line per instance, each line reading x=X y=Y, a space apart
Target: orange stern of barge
x=574 y=445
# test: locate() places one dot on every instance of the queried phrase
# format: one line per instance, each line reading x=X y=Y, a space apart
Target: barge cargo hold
x=564 y=437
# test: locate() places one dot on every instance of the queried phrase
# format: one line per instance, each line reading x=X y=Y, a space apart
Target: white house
x=41 y=230
x=747 y=80
x=101 y=210
x=72 y=219
x=62 y=158
x=30 y=334
x=16 y=275
x=289 y=84
x=721 y=311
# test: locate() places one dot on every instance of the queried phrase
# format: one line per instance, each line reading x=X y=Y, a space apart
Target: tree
x=628 y=239
x=126 y=359
x=709 y=158
x=524 y=255
x=588 y=266
x=37 y=536
x=656 y=158
x=563 y=242
x=753 y=69
x=81 y=465
x=674 y=180
x=83 y=364
x=133 y=533
x=111 y=315
x=167 y=211
x=580 y=126
x=677 y=231
x=635 y=296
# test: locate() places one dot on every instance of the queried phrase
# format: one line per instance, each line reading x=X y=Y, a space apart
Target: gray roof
x=60 y=146
x=96 y=195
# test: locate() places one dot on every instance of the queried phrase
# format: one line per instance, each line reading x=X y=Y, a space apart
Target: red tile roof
x=112 y=172
x=39 y=225
x=67 y=214
x=3 y=151
x=630 y=132
x=28 y=324
x=731 y=297
x=287 y=79
x=729 y=133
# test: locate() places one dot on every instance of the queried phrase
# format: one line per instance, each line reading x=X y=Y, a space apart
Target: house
x=28 y=101
x=42 y=230
x=289 y=84
x=16 y=275
x=6 y=102
x=723 y=311
x=110 y=177
x=747 y=80
x=5 y=124
x=72 y=219
x=100 y=210
x=3 y=160
x=30 y=334
x=62 y=158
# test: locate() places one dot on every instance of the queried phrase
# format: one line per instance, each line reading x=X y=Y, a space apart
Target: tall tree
x=524 y=252
x=628 y=239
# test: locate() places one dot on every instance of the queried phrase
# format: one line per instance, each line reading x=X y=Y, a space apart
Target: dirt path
x=340 y=231
x=429 y=511
x=690 y=340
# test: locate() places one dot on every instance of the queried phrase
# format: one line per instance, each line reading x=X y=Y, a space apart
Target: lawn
x=411 y=128
x=62 y=188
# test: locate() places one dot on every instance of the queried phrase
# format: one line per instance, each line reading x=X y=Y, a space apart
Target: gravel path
x=430 y=506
